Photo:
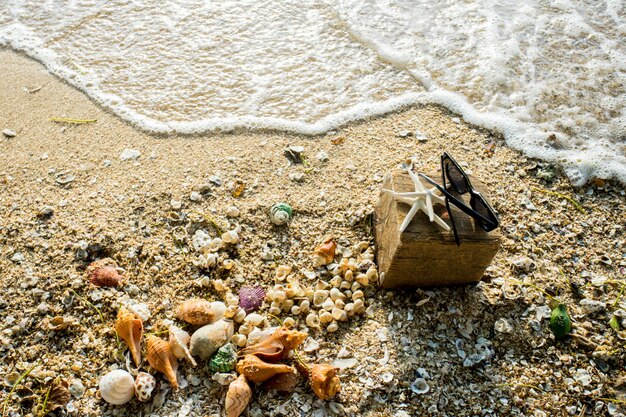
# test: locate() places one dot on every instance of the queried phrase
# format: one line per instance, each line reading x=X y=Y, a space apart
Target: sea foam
x=531 y=70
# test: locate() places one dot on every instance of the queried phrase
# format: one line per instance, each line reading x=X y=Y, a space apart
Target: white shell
x=257 y=335
x=117 y=387
x=218 y=308
x=420 y=386
x=215 y=245
x=208 y=339
x=279 y=217
x=179 y=339
x=254 y=319
x=231 y=237
x=144 y=384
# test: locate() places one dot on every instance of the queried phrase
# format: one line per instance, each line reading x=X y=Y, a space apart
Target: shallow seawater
x=549 y=75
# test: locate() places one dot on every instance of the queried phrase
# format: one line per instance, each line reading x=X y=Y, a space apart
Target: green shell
x=224 y=359
x=560 y=323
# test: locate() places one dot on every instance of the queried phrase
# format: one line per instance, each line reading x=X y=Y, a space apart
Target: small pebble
x=9 y=133
x=322 y=156
x=128 y=154
x=195 y=196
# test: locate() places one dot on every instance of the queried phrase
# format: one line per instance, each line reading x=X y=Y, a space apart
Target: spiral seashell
x=324 y=253
x=258 y=371
x=162 y=360
x=238 y=397
x=129 y=327
x=208 y=339
x=224 y=359
x=324 y=381
x=117 y=387
x=231 y=237
x=144 y=385
x=195 y=311
x=179 y=340
x=277 y=346
x=251 y=298
x=283 y=383
x=281 y=213
x=102 y=274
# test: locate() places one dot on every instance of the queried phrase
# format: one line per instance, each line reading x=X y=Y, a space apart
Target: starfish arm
x=429 y=207
x=409 y=216
x=407 y=200
x=416 y=181
x=411 y=194
x=442 y=223
x=438 y=199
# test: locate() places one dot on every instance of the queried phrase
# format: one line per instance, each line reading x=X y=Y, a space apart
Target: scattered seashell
x=195 y=311
x=117 y=387
x=251 y=298
x=345 y=363
x=232 y=212
x=9 y=133
x=254 y=319
x=420 y=386
x=224 y=359
x=324 y=381
x=281 y=213
x=312 y=320
x=560 y=322
x=162 y=360
x=503 y=326
x=130 y=328
x=277 y=346
x=224 y=378
x=208 y=339
x=283 y=383
x=179 y=340
x=58 y=395
x=231 y=237
x=324 y=253
x=101 y=274
x=238 y=397
x=144 y=385
x=258 y=371
x=332 y=327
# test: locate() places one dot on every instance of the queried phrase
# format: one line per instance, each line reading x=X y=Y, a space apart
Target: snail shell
x=179 y=340
x=280 y=214
x=324 y=381
x=208 y=339
x=238 y=397
x=195 y=311
x=324 y=253
x=117 y=387
x=101 y=274
x=130 y=328
x=162 y=360
x=258 y=371
x=144 y=384
x=224 y=359
x=277 y=346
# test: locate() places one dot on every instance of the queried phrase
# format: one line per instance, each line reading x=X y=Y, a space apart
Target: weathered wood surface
x=424 y=254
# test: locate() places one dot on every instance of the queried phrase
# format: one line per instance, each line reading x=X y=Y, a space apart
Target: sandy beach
x=67 y=198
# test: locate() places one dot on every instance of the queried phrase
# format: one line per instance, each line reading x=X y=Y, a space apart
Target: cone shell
x=101 y=274
x=224 y=359
x=179 y=342
x=117 y=387
x=238 y=397
x=162 y=360
x=324 y=253
x=195 y=311
x=258 y=371
x=251 y=298
x=276 y=347
x=324 y=381
x=130 y=328
x=144 y=385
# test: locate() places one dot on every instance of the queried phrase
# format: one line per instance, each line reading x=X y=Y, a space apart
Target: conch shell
x=130 y=328
x=161 y=359
x=117 y=387
x=238 y=397
x=258 y=371
x=179 y=340
x=324 y=253
x=195 y=311
x=324 y=381
x=144 y=384
x=276 y=347
x=102 y=274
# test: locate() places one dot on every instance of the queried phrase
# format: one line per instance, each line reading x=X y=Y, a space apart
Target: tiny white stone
x=195 y=196
x=176 y=205
x=9 y=133
x=129 y=154
x=322 y=156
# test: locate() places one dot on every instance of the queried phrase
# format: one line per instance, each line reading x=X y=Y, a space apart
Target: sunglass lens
x=481 y=207
x=456 y=177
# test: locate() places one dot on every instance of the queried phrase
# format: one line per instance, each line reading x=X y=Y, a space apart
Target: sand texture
x=67 y=198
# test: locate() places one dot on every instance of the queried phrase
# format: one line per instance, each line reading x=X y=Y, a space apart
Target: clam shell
x=103 y=274
x=258 y=371
x=144 y=385
x=251 y=298
x=117 y=387
x=130 y=328
x=195 y=311
x=179 y=340
x=208 y=339
x=162 y=360
x=224 y=359
x=238 y=397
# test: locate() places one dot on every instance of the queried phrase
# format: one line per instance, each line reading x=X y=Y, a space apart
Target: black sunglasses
x=479 y=209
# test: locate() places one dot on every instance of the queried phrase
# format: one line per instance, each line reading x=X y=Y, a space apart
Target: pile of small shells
x=213 y=250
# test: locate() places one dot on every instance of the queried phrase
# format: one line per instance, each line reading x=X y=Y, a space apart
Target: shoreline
x=123 y=208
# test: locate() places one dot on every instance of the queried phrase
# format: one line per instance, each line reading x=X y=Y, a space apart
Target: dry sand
x=123 y=210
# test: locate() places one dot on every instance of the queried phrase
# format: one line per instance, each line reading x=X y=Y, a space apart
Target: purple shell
x=251 y=298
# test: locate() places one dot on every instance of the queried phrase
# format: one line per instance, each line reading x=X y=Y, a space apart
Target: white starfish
x=420 y=199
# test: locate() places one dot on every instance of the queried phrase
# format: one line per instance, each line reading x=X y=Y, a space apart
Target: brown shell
x=130 y=328
x=195 y=311
x=324 y=381
x=276 y=347
x=325 y=253
x=238 y=397
x=161 y=359
x=103 y=274
x=258 y=371
x=283 y=383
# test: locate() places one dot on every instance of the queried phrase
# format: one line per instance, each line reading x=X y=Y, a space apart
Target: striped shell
x=144 y=384
x=224 y=359
x=281 y=213
x=130 y=328
x=161 y=359
x=324 y=253
x=238 y=397
x=195 y=311
x=251 y=298
x=179 y=342
x=102 y=274
x=117 y=387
